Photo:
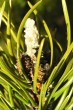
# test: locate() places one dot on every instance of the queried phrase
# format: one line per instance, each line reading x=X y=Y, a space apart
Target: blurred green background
x=50 y=10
